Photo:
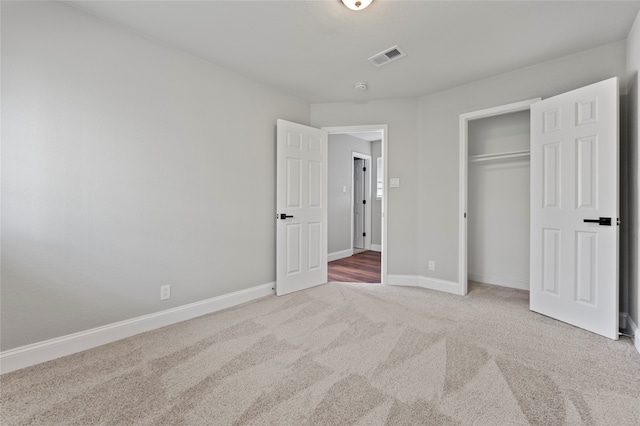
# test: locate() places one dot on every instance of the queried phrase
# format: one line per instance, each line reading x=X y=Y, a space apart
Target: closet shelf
x=500 y=156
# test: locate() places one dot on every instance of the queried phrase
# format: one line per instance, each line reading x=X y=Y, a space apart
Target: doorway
x=357 y=203
x=574 y=204
x=465 y=120
x=499 y=200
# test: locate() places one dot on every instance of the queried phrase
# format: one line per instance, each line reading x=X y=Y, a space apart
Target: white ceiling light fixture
x=356 y=4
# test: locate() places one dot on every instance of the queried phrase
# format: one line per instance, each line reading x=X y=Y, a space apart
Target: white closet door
x=574 y=190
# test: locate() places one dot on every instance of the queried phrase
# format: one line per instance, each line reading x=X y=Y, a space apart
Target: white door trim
x=385 y=151
x=367 y=197
x=463 y=169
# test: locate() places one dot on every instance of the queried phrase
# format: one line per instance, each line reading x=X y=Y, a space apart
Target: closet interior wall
x=498 y=200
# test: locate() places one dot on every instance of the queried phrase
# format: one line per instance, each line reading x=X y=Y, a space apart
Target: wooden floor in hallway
x=360 y=268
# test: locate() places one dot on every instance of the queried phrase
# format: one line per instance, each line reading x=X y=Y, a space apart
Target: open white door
x=574 y=208
x=301 y=202
x=358 y=203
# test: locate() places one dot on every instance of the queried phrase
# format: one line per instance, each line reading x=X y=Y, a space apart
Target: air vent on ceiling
x=387 y=56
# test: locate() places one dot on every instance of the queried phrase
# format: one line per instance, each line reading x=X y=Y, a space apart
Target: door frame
x=463 y=184
x=383 y=128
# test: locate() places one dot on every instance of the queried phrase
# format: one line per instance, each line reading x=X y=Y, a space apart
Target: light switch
x=344 y=188
x=394 y=182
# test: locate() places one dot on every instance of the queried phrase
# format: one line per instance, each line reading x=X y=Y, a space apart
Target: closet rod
x=489 y=157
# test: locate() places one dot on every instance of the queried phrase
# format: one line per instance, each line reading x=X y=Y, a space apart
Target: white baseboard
x=376 y=247
x=425 y=282
x=405 y=280
x=622 y=320
x=501 y=281
x=440 y=285
x=339 y=255
x=25 y=356
x=635 y=332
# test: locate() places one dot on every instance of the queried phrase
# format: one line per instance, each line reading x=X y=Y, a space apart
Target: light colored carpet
x=343 y=354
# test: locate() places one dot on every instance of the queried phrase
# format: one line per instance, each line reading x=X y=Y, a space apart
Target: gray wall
x=376 y=204
x=438 y=146
x=633 y=158
x=121 y=158
x=625 y=198
x=423 y=149
x=498 y=201
x=341 y=148
x=126 y=165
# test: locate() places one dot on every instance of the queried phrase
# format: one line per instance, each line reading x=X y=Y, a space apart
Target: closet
x=498 y=200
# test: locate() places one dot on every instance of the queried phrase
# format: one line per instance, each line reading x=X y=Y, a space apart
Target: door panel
x=574 y=177
x=587 y=172
x=315 y=245
x=551 y=176
x=551 y=261
x=358 y=207
x=294 y=249
x=315 y=184
x=301 y=240
x=586 y=261
x=293 y=180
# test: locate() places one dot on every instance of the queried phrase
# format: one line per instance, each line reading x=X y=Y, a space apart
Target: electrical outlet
x=165 y=292
x=432 y=265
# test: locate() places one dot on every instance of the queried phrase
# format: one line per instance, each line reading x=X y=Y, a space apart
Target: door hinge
x=364 y=234
x=465 y=215
x=618 y=221
x=364 y=201
x=364 y=169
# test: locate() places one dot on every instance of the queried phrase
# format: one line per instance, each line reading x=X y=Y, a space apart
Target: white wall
x=498 y=202
x=633 y=130
x=341 y=149
x=400 y=115
x=126 y=165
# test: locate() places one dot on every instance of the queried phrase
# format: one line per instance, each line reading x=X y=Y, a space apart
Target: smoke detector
x=389 y=55
x=360 y=86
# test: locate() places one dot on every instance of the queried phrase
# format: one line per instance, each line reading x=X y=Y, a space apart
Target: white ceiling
x=316 y=50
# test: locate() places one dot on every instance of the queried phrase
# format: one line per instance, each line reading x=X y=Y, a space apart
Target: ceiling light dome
x=356 y=4
x=361 y=86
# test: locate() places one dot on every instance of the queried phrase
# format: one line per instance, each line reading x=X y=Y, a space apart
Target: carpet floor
x=343 y=354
